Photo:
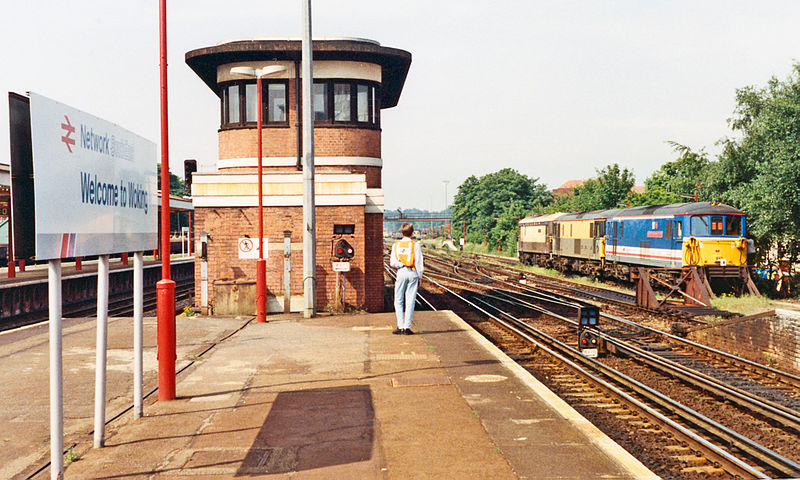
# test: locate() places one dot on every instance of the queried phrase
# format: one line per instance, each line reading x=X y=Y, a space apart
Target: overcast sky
x=552 y=89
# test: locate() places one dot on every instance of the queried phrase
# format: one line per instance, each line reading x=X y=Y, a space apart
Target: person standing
x=406 y=257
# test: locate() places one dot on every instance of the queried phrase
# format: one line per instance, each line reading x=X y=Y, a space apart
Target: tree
x=176 y=184
x=494 y=199
x=759 y=172
x=685 y=175
x=608 y=189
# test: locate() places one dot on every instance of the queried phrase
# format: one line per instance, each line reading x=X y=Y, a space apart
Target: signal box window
x=276 y=102
x=344 y=229
x=700 y=225
x=733 y=225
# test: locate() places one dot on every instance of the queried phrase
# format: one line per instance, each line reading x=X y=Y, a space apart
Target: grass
x=71 y=456
x=745 y=305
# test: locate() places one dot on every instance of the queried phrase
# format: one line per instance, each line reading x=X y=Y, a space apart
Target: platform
x=329 y=397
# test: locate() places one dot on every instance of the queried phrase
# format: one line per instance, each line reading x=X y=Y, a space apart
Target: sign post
x=94 y=194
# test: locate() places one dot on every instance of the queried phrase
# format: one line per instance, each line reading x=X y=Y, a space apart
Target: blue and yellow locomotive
x=709 y=236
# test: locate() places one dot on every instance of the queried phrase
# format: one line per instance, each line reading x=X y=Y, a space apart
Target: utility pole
x=309 y=219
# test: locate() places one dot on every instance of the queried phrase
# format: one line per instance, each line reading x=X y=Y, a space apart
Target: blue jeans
x=405 y=288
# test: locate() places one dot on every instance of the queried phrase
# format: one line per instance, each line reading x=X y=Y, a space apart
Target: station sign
x=95 y=184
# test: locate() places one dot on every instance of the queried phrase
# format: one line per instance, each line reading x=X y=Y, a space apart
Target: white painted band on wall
x=292 y=161
x=275 y=177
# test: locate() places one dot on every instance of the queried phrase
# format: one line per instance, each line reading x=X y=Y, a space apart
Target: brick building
x=354 y=79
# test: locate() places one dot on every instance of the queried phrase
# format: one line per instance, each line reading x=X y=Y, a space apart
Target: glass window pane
x=341 y=102
x=362 y=103
x=716 y=226
x=372 y=106
x=733 y=225
x=233 y=104
x=700 y=226
x=276 y=102
x=321 y=102
x=250 y=98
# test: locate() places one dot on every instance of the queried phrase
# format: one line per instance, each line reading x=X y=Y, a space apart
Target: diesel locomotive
x=709 y=236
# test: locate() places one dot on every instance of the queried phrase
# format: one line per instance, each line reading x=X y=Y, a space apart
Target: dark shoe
x=398 y=331
x=407 y=331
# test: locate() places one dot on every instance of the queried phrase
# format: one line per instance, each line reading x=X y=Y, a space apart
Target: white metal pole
x=102 y=341
x=56 y=378
x=138 y=320
x=309 y=220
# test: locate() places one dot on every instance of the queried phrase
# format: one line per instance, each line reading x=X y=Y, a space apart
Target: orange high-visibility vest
x=405 y=252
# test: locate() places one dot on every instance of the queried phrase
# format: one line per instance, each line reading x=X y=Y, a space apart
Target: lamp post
x=261 y=263
x=165 y=288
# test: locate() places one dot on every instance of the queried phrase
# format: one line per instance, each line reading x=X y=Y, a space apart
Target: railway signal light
x=343 y=250
x=588 y=343
x=589 y=316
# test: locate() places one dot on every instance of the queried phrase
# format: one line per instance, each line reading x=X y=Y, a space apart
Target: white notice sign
x=248 y=247
x=94 y=184
x=341 y=266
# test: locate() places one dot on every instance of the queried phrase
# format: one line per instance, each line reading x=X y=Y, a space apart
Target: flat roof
x=394 y=62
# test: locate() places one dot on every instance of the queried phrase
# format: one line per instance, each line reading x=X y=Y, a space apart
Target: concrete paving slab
x=341 y=397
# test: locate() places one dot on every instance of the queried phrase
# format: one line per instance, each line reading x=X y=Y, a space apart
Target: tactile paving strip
x=421 y=381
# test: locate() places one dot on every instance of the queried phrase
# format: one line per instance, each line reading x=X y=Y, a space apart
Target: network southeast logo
x=104 y=144
x=69 y=129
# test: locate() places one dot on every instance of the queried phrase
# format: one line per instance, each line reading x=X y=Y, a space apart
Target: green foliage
x=493 y=202
x=608 y=189
x=686 y=175
x=759 y=172
x=176 y=184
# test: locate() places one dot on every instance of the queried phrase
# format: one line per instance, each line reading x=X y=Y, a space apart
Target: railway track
x=624 y=393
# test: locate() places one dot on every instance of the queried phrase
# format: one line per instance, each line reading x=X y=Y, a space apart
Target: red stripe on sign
x=64 y=245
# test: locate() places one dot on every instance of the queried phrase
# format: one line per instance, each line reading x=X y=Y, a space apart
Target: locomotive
x=709 y=236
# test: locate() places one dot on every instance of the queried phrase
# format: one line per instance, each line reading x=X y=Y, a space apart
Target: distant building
x=567 y=187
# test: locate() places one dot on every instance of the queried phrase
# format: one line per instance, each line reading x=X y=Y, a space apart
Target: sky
x=553 y=89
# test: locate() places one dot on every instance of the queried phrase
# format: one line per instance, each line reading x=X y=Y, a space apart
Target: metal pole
x=56 y=377
x=165 y=288
x=287 y=271
x=309 y=220
x=100 y=353
x=138 y=331
x=261 y=264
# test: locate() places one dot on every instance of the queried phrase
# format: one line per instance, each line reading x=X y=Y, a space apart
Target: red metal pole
x=11 y=272
x=124 y=257
x=165 y=288
x=21 y=264
x=261 y=264
x=191 y=237
x=78 y=263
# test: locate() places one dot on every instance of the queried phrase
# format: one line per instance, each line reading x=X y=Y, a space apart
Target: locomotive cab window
x=716 y=226
x=677 y=232
x=733 y=225
x=700 y=226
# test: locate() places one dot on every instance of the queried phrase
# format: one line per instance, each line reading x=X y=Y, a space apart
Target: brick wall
x=227 y=225
x=373 y=226
x=771 y=340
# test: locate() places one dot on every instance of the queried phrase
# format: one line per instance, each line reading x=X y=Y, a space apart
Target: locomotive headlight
x=733 y=244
